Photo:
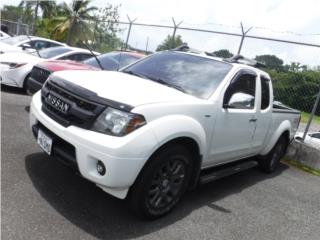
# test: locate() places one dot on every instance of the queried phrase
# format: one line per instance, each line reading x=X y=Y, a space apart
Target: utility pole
x=175 y=26
x=244 y=33
x=129 y=30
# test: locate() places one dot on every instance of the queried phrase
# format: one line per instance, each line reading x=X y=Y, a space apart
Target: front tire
x=162 y=182
x=271 y=161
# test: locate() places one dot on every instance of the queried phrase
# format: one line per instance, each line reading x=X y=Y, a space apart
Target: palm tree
x=48 y=9
x=75 y=22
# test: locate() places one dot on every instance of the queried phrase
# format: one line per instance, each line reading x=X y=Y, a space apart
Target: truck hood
x=59 y=65
x=123 y=87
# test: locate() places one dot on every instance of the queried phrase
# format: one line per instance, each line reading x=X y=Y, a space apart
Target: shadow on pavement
x=106 y=217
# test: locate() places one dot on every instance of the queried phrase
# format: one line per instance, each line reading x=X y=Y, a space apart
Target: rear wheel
x=161 y=183
x=271 y=161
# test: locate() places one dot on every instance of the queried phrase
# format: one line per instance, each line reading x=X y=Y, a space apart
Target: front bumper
x=6 y=77
x=123 y=157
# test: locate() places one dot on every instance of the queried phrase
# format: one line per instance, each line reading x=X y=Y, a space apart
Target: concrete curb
x=304 y=154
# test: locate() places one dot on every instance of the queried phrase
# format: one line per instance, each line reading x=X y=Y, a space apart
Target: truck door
x=264 y=114
x=235 y=120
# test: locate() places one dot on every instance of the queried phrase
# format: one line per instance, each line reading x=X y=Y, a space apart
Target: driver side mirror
x=240 y=100
x=25 y=46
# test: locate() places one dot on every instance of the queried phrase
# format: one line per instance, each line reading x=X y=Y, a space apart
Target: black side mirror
x=25 y=46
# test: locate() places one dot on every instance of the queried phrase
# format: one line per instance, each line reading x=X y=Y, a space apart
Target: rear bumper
x=123 y=157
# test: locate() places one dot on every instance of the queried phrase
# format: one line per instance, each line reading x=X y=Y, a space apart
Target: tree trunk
x=35 y=17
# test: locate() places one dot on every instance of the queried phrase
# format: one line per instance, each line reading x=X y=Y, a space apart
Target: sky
x=284 y=19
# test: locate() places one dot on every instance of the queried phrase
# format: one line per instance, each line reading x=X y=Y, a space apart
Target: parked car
x=16 y=67
x=4 y=35
x=42 y=71
x=6 y=48
x=162 y=125
x=110 y=61
x=30 y=43
x=312 y=138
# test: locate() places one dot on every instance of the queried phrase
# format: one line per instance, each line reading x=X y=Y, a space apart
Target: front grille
x=80 y=103
x=81 y=113
x=39 y=74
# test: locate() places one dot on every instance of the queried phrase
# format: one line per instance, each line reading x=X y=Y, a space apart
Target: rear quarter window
x=265 y=93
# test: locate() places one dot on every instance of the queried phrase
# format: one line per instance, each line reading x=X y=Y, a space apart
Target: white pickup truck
x=162 y=125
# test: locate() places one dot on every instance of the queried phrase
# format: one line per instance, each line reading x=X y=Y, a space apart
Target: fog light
x=101 y=169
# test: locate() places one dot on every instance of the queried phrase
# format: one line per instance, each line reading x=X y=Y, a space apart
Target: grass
x=303 y=167
x=305 y=118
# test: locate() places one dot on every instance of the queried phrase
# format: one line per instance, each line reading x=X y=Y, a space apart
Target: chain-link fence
x=16 y=28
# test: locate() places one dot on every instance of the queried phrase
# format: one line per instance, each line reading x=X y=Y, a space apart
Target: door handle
x=253 y=120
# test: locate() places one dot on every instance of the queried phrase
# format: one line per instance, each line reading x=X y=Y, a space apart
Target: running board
x=228 y=170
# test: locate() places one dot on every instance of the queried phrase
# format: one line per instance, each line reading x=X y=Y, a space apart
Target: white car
x=30 y=43
x=4 y=35
x=16 y=66
x=312 y=139
x=6 y=48
x=162 y=125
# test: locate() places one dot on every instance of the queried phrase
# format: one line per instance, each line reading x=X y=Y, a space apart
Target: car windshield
x=14 y=40
x=113 y=61
x=52 y=52
x=195 y=75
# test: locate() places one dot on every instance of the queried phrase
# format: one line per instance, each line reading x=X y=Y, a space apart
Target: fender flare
x=283 y=127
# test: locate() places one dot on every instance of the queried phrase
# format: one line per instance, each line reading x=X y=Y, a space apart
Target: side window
x=265 y=93
x=315 y=135
x=53 y=44
x=78 y=57
x=39 y=44
x=68 y=57
x=241 y=92
x=83 y=56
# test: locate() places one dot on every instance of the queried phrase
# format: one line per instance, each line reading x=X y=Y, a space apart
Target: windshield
x=195 y=75
x=110 y=61
x=14 y=40
x=52 y=52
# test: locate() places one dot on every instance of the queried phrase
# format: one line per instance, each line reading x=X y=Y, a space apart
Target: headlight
x=13 y=65
x=117 y=123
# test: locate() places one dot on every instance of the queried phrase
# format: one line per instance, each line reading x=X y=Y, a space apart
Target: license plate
x=57 y=103
x=44 y=141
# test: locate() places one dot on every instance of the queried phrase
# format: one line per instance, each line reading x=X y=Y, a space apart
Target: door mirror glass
x=25 y=46
x=241 y=101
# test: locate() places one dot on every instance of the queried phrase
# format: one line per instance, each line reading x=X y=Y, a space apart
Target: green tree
x=75 y=22
x=17 y=14
x=270 y=61
x=223 y=53
x=12 y=13
x=48 y=9
x=105 y=30
x=170 y=43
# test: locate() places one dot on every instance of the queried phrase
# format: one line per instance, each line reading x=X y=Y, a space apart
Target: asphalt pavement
x=43 y=199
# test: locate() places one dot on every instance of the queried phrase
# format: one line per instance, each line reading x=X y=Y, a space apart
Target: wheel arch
x=282 y=131
x=192 y=146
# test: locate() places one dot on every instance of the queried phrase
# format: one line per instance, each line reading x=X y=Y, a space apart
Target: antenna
x=35 y=48
x=99 y=63
x=92 y=53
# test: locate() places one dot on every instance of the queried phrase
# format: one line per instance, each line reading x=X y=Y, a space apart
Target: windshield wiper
x=158 y=80
x=177 y=87
x=136 y=74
